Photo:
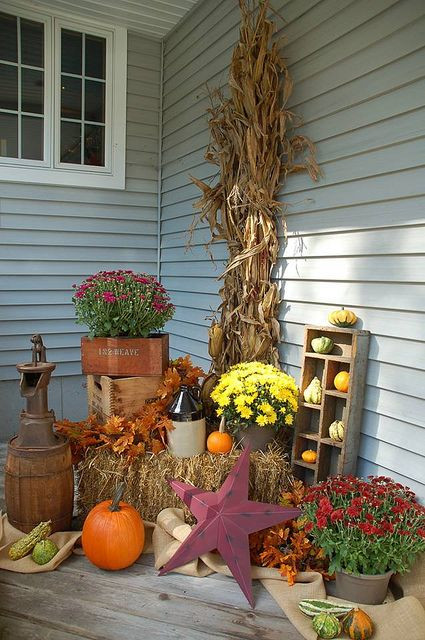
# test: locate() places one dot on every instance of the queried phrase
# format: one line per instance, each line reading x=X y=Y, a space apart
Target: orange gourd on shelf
x=113 y=534
x=309 y=456
x=341 y=381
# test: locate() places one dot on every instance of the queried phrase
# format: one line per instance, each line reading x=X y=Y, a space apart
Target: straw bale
x=147 y=488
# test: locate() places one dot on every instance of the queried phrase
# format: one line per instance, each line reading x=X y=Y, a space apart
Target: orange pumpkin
x=358 y=625
x=219 y=441
x=113 y=534
x=309 y=456
x=341 y=381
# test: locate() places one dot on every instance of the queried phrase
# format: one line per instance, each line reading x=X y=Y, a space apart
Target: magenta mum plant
x=122 y=303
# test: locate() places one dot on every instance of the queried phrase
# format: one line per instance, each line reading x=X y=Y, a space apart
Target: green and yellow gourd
x=342 y=318
x=313 y=393
x=311 y=607
x=326 y=625
x=322 y=344
x=25 y=545
x=336 y=430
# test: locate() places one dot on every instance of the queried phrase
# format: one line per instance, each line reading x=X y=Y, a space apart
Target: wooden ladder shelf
x=312 y=422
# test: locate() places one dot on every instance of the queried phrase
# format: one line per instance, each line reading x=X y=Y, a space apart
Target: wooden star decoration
x=224 y=520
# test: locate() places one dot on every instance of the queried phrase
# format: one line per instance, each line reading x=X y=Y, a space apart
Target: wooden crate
x=312 y=422
x=119 y=396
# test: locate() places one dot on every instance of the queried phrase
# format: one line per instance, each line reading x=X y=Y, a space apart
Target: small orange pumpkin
x=358 y=624
x=309 y=456
x=219 y=441
x=341 y=381
x=113 y=534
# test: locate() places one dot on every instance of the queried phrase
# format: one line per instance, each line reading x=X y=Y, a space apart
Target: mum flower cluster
x=121 y=303
x=365 y=526
x=256 y=393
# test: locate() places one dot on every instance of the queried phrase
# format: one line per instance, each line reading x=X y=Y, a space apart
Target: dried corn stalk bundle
x=251 y=145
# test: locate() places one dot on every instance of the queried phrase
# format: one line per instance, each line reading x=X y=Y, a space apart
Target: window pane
x=95 y=56
x=71 y=51
x=8 y=38
x=32 y=43
x=71 y=142
x=8 y=87
x=32 y=138
x=94 y=145
x=32 y=91
x=95 y=101
x=71 y=97
x=8 y=135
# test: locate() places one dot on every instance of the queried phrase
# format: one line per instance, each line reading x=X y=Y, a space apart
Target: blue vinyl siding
x=354 y=238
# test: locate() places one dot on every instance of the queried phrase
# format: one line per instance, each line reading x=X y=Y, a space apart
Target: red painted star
x=224 y=520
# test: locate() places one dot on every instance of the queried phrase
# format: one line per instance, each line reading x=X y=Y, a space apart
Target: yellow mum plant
x=256 y=393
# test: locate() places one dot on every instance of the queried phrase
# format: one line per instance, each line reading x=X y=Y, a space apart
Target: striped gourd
x=311 y=607
x=25 y=545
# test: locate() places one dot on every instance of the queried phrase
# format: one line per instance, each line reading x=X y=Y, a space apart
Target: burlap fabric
x=65 y=541
x=403 y=618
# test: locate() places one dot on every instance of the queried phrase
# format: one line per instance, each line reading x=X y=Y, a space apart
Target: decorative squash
x=341 y=381
x=25 y=545
x=219 y=441
x=312 y=606
x=326 y=625
x=358 y=625
x=309 y=456
x=113 y=534
x=342 y=318
x=336 y=430
x=322 y=344
x=313 y=393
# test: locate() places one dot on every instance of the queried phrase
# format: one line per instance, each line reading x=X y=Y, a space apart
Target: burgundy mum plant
x=121 y=303
x=365 y=526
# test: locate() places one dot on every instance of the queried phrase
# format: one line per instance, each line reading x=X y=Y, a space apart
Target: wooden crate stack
x=312 y=422
x=108 y=396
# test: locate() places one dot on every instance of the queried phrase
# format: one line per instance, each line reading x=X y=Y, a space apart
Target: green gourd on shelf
x=25 y=545
x=322 y=344
x=336 y=430
x=313 y=393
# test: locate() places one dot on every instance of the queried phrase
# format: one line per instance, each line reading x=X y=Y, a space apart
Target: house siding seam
x=356 y=237
x=53 y=236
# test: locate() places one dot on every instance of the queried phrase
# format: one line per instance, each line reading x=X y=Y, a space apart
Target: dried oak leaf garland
x=133 y=436
x=252 y=146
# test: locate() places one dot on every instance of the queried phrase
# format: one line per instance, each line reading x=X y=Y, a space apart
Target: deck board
x=80 y=602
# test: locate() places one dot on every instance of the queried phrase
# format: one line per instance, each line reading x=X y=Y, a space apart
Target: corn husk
x=252 y=144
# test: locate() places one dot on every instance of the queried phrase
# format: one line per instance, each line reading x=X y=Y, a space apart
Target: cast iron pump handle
x=38 y=349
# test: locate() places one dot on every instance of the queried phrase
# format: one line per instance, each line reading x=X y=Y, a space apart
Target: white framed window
x=62 y=100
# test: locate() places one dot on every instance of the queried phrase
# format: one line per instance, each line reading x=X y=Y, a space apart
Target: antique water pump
x=36 y=424
x=39 y=481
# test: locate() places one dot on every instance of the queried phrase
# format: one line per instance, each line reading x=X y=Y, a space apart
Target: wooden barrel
x=39 y=486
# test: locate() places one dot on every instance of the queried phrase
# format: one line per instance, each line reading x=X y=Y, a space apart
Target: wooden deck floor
x=79 y=601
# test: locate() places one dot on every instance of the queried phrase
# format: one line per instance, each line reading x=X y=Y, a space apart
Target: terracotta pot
x=125 y=356
x=362 y=589
x=256 y=436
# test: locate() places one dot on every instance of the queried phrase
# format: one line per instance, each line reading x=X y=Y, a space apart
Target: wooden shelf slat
x=309 y=435
x=307 y=465
x=309 y=405
x=332 y=443
x=327 y=356
x=335 y=392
